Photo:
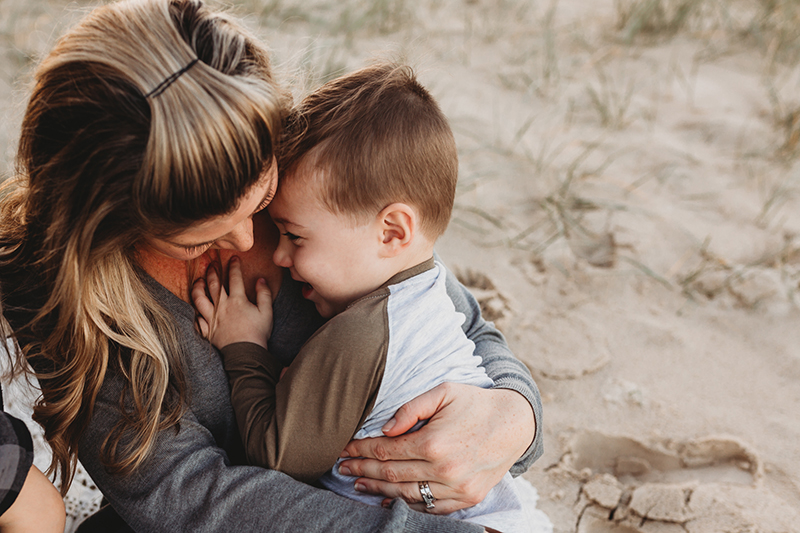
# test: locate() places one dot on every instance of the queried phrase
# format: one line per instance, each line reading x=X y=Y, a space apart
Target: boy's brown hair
x=375 y=137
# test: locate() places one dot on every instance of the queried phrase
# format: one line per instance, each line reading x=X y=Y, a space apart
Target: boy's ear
x=398 y=226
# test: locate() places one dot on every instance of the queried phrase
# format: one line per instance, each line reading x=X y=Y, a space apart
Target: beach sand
x=627 y=214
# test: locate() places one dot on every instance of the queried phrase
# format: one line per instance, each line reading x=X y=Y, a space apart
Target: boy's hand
x=228 y=318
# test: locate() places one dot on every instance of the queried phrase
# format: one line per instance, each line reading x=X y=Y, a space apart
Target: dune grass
x=653 y=18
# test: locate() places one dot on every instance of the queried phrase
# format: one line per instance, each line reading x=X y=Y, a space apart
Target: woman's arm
x=190 y=484
x=502 y=425
x=507 y=372
x=195 y=478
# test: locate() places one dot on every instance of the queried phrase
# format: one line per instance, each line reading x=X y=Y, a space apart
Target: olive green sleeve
x=299 y=424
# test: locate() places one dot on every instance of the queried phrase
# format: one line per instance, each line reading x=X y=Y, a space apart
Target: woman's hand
x=473 y=437
x=228 y=318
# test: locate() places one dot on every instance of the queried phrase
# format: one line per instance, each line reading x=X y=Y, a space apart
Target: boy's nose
x=239 y=238
x=281 y=256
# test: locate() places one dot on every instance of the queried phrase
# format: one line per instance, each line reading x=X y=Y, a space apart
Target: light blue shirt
x=427 y=347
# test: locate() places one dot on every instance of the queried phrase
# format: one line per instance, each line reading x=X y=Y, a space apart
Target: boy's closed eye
x=291 y=236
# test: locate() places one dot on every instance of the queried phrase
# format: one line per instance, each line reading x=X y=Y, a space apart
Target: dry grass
x=771 y=25
x=775 y=27
x=786 y=118
x=584 y=128
x=743 y=285
x=652 y=19
x=539 y=55
x=610 y=98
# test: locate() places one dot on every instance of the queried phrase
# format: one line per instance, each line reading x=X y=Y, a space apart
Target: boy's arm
x=300 y=423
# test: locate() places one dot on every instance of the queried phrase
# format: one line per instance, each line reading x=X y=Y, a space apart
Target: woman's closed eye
x=264 y=203
x=197 y=248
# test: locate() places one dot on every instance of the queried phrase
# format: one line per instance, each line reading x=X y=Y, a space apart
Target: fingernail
x=235 y=258
x=344 y=454
x=389 y=425
x=345 y=471
x=360 y=487
x=262 y=281
x=386 y=503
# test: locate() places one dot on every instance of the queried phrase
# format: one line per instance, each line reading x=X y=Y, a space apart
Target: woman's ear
x=398 y=226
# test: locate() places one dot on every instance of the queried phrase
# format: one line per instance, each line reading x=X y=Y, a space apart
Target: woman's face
x=233 y=231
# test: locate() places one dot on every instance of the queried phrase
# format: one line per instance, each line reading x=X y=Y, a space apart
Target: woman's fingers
x=411 y=494
x=400 y=479
x=380 y=471
x=412 y=446
x=422 y=407
x=376 y=450
x=466 y=445
x=440 y=507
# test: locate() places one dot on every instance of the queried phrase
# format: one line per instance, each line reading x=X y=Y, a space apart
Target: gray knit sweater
x=196 y=480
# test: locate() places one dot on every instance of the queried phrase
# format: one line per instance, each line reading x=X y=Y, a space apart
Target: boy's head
x=369 y=174
x=373 y=138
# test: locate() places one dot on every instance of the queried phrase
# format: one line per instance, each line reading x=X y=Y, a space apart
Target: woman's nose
x=239 y=238
x=281 y=256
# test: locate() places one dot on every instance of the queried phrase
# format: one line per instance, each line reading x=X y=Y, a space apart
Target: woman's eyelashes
x=267 y=199
x=264 y=203
x=197 y=248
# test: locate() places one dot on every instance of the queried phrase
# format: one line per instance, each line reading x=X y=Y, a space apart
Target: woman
x=146 y=152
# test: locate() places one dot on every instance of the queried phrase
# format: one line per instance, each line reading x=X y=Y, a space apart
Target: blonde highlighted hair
x=100 y=166
x=372 y=138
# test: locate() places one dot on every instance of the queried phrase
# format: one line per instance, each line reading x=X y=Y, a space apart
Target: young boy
x=369 y=178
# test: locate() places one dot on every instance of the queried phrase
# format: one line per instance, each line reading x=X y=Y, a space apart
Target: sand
x=628 y=215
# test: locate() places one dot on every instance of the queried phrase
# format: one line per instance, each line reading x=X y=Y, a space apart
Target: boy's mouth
x=307 y=290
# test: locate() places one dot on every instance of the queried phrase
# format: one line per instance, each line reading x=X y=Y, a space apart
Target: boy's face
x=337 y=260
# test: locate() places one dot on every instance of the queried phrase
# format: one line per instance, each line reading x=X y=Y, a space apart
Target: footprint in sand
x=550 y=335
x=666 y=486
x=495 y=305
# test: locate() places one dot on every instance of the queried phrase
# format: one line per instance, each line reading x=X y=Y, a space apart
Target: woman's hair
x=125 y=136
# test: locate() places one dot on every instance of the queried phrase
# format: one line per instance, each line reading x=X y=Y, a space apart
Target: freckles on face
x=232 y=231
